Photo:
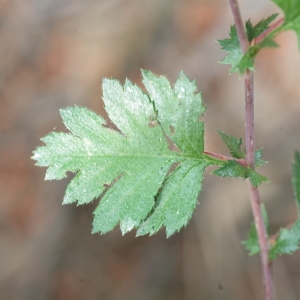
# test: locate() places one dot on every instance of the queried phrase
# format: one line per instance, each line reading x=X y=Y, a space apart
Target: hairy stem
x=250 y=159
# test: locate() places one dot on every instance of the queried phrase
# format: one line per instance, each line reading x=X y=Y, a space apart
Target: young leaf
x=258 y=154
x=142 y=182
x=252 y=243
x=256 y=178
x=296 y=180
x=241 y=62
x=232 y=46
x=287 y=241
x=259 y=28
x=233 y=169
x=233 y=144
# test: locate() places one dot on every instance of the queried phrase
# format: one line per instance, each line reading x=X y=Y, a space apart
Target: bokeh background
x=54 y=54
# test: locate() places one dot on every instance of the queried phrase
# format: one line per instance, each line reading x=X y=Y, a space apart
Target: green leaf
x=287 y=241
x=232 y=46
x=296 y=180
x=241 y=62
x=254 y=31
x=178 y=111
x=148 y=172
x=233 y=144
x=233 y=169
x=176 y=201
x=252 y=243
x=258 y=154
x=291 y=9
x=256 y=178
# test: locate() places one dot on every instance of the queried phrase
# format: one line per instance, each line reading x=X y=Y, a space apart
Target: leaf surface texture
x=149 y=170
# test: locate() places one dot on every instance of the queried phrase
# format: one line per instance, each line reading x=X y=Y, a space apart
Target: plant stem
x=250 y=159
x=249 y=122
x=254 y=193
x=239 y=25
x=225 y=158
x=263 y=242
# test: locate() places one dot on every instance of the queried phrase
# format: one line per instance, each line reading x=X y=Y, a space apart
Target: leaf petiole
x=225 y=158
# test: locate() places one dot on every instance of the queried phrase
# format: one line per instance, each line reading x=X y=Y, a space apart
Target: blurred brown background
x=54 y=54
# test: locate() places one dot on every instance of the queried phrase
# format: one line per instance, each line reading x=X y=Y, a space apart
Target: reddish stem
x=263 y=242
x=249 y=122
x=250 y=159
x=239 y=25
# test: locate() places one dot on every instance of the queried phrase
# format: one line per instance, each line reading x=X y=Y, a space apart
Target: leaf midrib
x=152 y=156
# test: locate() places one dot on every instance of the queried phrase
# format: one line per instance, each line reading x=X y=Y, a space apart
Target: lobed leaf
x=287 y=241
x=149 y=171
x=240 y=61
x=252 y=243
x=233 y=144
x=235 y=54
x=254 y=31
x=258 y=154
x=233 y=169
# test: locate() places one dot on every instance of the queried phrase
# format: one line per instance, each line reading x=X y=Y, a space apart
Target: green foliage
x=258 y=154
x=232 y=46
x=150 y=185
x=254 y=31
x=234 y=169
x=287 y=241
x=148 y=172
x=291 y=9
x=233 y=144
x=252 y=244
x=241 y=62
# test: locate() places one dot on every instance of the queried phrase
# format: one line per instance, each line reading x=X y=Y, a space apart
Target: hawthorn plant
x=148 y=172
